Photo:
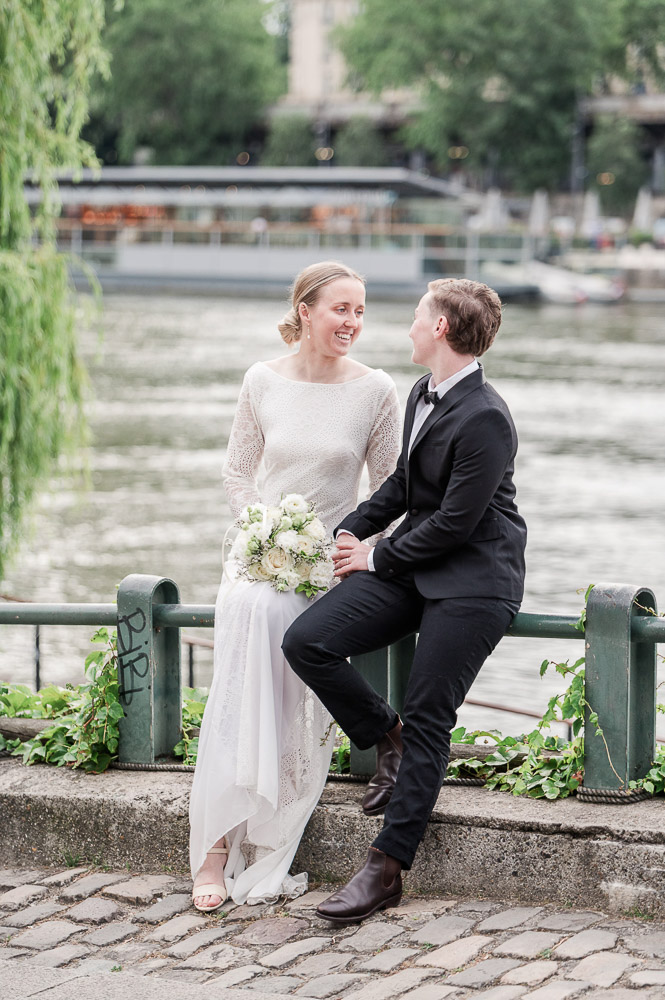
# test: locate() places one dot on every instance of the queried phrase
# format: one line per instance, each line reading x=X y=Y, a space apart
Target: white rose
x=293 y=503
x=302 y=569
x=289 y=540
x=275 y=562
x=315 y=530
x=321 y=574
x=257 y=572
x=306 y=545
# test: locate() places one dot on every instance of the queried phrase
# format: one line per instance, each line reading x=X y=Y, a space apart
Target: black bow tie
x=429 y=397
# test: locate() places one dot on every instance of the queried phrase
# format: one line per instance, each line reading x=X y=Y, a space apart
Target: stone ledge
x=477 y=843
x=640 y=822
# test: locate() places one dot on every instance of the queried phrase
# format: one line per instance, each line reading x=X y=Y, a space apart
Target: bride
x=311 y=421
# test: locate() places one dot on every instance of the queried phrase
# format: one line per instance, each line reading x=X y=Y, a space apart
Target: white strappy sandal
x=211 y=888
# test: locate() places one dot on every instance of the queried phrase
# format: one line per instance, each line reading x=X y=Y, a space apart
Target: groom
x=453 y=571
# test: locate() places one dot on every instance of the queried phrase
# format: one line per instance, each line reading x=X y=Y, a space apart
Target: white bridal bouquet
x=285 y=546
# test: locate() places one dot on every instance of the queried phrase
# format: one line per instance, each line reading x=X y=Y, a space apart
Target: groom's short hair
x=473 y=311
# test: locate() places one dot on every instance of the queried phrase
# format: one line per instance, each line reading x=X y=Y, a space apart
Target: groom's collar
x=443 y=387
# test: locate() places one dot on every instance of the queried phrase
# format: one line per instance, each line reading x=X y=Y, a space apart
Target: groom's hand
x=350 y=555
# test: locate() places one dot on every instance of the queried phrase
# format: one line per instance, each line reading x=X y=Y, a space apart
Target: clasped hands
x=349 y=555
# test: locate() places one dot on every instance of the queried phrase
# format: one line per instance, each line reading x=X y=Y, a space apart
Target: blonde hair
x=306 y=288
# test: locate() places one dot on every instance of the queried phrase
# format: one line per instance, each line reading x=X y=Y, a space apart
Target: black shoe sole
x=384 y=905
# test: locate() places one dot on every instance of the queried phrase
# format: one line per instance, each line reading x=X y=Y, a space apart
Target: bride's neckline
x=297 y=381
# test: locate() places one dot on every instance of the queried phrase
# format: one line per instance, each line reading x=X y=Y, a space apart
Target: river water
x=585 y=386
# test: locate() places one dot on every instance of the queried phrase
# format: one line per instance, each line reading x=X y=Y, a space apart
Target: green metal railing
x=620 y=638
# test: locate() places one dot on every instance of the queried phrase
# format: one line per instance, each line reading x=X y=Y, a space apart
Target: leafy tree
x=360 y=144
x=290 y=143
x=48 y=52
x=502 y=79
x=189 y=80
x=615 y=162
x=278 y=23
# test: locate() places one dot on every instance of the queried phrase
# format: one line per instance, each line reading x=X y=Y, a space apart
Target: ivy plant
x=537 y=764
x=534 y=764
x=85 y=729
x=193 y=703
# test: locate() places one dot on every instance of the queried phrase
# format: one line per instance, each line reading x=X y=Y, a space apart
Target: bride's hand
x=350 y=555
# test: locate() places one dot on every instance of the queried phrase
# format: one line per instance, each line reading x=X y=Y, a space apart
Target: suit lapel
x=410 y=413
x=453 y=396
x=409 y=417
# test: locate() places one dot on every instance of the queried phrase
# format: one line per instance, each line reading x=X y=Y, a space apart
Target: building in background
x=319 y=88
x=646 y=106
x=318 y=85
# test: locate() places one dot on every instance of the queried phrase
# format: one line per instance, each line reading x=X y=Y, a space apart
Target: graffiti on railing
x=133 y=660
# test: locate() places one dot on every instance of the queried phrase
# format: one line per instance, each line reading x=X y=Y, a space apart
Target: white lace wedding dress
x=263 y=757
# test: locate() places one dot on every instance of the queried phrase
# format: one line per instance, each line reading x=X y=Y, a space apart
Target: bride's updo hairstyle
x=306 y=288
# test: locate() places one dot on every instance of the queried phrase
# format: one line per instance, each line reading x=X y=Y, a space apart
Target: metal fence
x=622 y=629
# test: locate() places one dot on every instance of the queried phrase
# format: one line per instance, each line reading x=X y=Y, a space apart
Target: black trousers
x=456 y=635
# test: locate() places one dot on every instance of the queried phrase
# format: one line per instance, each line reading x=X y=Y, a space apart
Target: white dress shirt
x=423 y=411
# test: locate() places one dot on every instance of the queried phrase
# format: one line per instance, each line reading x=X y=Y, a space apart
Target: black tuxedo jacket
x=462 y=535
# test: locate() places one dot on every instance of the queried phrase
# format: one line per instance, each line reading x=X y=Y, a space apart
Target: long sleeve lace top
x=311 y=438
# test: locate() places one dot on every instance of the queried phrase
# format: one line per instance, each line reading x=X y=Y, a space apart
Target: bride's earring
x=308 y=336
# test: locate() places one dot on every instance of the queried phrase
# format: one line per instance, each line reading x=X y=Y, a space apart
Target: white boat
x=556 y=284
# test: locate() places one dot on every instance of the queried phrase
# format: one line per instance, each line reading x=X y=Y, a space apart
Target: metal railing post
x=148 y=670
x=374 y=668
x=38 y=659
x=400 y=658
x=387 y=670
x=620 y=683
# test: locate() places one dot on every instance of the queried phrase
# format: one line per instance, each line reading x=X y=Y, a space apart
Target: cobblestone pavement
x=93 y=922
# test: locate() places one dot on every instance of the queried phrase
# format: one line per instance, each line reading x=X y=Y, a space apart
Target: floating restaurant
x=210 y=228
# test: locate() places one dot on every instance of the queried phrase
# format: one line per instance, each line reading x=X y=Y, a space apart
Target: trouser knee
x=294 y=646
